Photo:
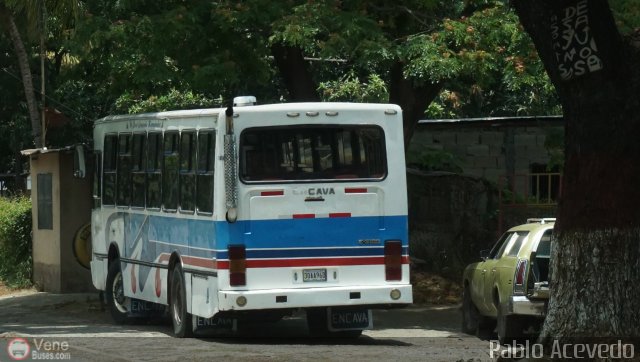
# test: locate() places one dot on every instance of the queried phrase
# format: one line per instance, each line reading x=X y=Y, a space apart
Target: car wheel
x=469 y=313
x=486 y=327
x=116 y=300
x=509 y=327
x=181 y=320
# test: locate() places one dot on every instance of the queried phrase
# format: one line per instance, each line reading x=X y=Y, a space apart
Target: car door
x=503 y=271
x=487 y=272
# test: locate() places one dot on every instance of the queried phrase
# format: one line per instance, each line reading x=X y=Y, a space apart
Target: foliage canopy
x=134 y=56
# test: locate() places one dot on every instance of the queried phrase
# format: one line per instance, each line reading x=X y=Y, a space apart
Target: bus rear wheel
x=181 y=320
x=116 y=299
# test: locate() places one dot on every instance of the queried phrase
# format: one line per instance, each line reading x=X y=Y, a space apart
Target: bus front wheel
x=118 y=303
x=182 y=321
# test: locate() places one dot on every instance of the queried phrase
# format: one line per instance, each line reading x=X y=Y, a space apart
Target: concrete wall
x=451 y=218
x=75 y=208
x=46 y=243
x=54 y=266
x=489 y=149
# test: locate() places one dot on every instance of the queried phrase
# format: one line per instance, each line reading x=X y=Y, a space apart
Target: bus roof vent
x=244 y=101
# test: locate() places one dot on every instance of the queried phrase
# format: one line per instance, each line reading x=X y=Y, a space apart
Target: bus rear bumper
x=387 y=295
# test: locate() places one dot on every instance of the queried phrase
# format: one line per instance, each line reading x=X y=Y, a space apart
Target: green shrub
x=15 y=242
x=435 y=160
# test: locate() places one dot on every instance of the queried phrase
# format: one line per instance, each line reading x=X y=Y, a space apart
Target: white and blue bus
x=253 y=211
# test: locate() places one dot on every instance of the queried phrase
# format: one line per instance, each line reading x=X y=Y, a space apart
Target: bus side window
x=124 y=170
x=170 y=171
x=206 y=167
x=138 y=168
x=109 y=169
x=154 y=170
x=187 y=171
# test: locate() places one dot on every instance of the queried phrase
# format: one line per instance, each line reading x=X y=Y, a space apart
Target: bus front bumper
x=388 y=295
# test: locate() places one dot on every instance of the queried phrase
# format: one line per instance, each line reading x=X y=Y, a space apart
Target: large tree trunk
x=596 y=257
x=413 y=99
x=295 y=73
x=8 y=22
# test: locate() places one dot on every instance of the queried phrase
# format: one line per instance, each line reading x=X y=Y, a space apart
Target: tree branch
x=413 y=99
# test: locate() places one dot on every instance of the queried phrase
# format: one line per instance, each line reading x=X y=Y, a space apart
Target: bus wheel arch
x=114 y=254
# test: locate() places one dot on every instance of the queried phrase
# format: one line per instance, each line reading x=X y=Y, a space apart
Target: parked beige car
x=510 y=285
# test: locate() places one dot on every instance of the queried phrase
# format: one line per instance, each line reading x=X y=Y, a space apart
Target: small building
x=61 y=207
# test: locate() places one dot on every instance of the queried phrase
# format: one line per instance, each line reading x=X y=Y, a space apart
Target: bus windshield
x=303 y=153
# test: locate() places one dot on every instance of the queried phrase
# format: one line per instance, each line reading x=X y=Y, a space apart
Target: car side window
x=544 y=246
x=498 y=247
x=516 y=244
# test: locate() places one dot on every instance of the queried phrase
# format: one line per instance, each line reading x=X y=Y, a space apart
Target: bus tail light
x=237 y=265
x=519 y=277
x=393 y=260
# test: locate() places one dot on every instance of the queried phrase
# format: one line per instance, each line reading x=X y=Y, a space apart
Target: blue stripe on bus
x=319 y=232
x=202 y=237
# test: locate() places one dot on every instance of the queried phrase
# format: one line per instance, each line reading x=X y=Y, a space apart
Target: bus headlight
x=241 y=301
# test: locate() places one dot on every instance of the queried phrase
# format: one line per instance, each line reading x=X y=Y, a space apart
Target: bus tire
x=116 y=300
x=181 y=320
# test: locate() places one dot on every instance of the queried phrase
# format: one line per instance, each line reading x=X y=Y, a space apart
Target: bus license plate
x=314 y=275
x=349 y=318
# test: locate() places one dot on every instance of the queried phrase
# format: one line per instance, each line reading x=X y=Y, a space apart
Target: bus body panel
x=287 y=227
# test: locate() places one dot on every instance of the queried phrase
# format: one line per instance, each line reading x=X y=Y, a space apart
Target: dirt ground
x=4 y=290
x=415 y=333
x=429 y=288
x=426 y=331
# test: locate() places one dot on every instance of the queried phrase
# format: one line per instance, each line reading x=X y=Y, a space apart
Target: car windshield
x=270 y=154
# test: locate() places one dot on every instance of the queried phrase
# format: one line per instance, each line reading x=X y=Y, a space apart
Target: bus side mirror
x=79 y=164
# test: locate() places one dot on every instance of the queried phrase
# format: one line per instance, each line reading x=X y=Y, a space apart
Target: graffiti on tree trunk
x=575 y=48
